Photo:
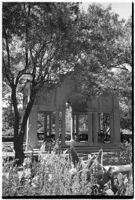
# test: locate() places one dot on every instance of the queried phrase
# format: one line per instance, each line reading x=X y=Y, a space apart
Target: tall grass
x=54 y=174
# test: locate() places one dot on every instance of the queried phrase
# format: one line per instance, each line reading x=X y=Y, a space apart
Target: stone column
x=90 y=128
x=32 y=132
x=50 y=124
x=27 y=98
x=63 y=128
x=116 y=127
x=71 y=133
x=57 y=125
x=45 y=124
x=112 y=128
x=77 y=124
x=27 y=136
x=95 y=127
x=116 y=121
x=73 y=117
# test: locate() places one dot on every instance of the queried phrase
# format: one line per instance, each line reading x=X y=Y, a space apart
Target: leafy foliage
x=39 y=43
x=106 y=41
x=126 y=151
x=105 y=64
x=42 y=42
x=53 y=174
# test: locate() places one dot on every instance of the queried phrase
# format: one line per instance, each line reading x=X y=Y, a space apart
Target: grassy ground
x=123 y=157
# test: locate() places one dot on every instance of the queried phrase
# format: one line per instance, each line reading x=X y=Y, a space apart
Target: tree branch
x=119 y=67
x=7 y=47
x=27 y=32
x=7 y=73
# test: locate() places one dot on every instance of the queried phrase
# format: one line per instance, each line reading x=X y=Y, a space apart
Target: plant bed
x=57 y=174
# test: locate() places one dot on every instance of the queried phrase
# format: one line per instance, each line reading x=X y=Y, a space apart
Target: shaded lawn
x=115 y=159
x=109 y=158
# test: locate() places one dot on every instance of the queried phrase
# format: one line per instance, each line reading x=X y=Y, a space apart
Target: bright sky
x=124 y=9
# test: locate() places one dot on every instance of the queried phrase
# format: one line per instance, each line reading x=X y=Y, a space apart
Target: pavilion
x=65 y=98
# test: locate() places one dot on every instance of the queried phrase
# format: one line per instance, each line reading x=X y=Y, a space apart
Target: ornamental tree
x=39 y=44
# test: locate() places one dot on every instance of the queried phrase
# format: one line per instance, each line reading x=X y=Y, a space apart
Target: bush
x=54 y=175
x=9 y=132
x=126 y=135
x=126 y=152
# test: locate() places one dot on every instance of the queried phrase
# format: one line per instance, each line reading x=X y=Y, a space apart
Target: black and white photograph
x=67 y=99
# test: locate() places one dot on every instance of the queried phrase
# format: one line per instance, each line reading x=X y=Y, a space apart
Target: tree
x=45 y=40
x=39 y=40
x=105 y=64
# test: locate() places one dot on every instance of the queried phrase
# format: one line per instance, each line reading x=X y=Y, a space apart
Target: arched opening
x=76 y=118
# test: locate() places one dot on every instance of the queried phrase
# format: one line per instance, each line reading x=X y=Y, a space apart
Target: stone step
x=94 y=149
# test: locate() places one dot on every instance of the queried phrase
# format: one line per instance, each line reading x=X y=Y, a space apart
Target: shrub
x=54 y=175
x=126 y=151
x=9 y=132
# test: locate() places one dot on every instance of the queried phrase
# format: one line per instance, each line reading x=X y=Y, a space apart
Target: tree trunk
x=19 y=135
x=18 y=147
x=18 y=140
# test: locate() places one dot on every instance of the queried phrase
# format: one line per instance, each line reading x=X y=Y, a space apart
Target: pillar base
x=88 y=149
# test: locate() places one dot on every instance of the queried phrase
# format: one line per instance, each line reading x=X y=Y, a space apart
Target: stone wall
x=54 y=100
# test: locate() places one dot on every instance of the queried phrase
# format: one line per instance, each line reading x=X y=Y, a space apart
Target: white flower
x=109 y=192
x=125 y=181
x=6 y=175
x=27 y=161
x=34 y=185
x=27 y=172
x=72 y=170
x=50 y=178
